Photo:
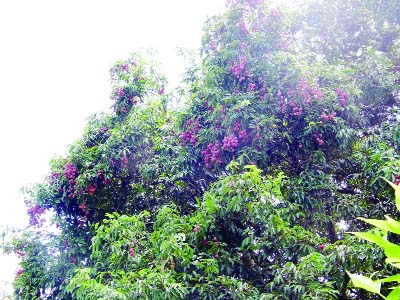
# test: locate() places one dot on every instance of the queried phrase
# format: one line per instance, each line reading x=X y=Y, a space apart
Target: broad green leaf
x=394 y=295
x=392 y=250
x=396 y=193
x=393 y=261
x=209 y=203
x=393 y=225
x=377 y=223
x=372 y=237
x=391 y=278
x=389 y=225
x=365 y=283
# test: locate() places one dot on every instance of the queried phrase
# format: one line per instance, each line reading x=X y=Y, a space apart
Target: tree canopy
x=245 y=191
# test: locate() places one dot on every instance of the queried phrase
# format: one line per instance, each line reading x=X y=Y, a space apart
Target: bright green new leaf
x=392 y=251
x=209 y=203
x=365 y=283
x=372 y=237
x=393 y=261
x=389 y=225
x=393 y=225
x=396 y=193
x=394 y=295
x=377 y=223
x=391 y=278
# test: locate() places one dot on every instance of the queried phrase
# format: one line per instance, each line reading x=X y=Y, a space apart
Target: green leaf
x=393 y=261
x=246 y=241
x=377 y=223
x=209 y=203
x=394 y=295
x=392 y=250
x=365 y=283
x=372 y=237
x=391 y=278
x=389 y=225
x=393 y=225
x=396 y=193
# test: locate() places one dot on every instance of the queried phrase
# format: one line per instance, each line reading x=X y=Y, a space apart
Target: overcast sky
x=54 y=62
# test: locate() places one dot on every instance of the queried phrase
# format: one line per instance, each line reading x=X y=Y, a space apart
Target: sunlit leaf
x=393 y=261
x=394 y=295
x=377 y=223
x=396 y=193
x=389 y=225
x=391 y=278
x=365 y=283
x=372 y=237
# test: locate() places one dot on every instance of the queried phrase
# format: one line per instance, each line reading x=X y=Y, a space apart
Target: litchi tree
x=239 y=193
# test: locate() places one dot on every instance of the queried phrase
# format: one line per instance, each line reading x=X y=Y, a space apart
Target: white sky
x=54 y=62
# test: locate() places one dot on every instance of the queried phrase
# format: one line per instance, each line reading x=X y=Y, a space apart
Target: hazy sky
x=54 y=62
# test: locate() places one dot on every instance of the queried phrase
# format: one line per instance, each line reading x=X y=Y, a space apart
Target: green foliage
x=392 y=252
x=237 y=193
x=198 y=256
x=44 y=270
x=307 y=280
